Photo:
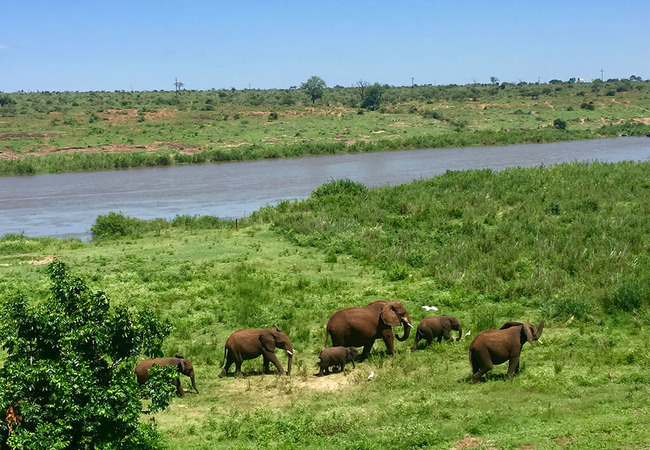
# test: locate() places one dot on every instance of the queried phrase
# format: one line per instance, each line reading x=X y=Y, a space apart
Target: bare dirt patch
x=46 y=260
x=21 y=136
x=339 y=136
x=9 y=155
x=378 y=131
x=121 y=116
x=643 y=120
x=118 y=148
x=468 y=442
x=564 y=441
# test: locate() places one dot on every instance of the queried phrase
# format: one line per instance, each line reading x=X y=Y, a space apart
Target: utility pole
x=601 y=75
x=412 y=84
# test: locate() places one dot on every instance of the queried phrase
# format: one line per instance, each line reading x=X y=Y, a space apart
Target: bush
x=559 y=124
x=339 y=187
x=588 y=106
x=273 y=116
x=630 y=296
x=69 y=370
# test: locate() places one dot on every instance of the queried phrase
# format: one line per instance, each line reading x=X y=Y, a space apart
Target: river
x=62 y=205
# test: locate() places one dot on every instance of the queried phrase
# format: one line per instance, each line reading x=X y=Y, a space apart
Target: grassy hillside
x=50 y=132
x=566 y=243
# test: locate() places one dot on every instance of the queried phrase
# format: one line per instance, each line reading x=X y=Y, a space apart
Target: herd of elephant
x=355 y=327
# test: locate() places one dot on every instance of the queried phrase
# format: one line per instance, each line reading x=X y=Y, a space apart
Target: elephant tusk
x=540 y=341
x=290 y=353
x=407 y=323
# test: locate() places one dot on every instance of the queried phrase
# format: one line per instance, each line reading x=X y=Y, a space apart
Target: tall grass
x=115 y=225
x=78 y=162
x=569 y=234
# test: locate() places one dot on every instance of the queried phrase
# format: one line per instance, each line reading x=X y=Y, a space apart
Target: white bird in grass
x=468 y=333
x=372 y=374
x=429 y=308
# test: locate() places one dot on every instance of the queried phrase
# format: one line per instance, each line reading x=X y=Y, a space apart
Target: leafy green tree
x=68 y=376
x=559 y=124
x=372 y=97
x=315 y=87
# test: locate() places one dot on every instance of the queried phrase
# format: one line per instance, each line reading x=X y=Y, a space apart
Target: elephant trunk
x=406 y=323
x=290 y=358
x=193 y=383
x=460 y=333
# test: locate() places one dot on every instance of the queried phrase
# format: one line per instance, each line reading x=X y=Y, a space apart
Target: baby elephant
x=183 y=365
x=437 y=327
x=491 y=347
x=336 y=356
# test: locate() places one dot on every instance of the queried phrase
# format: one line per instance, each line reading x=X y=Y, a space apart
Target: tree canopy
x=315 y=87
x=68 y=381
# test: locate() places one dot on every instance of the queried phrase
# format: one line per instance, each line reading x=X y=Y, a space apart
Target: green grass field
x=566 y=243
x=52 y=132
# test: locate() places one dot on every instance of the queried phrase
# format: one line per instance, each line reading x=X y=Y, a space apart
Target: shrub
x=339 y=187
x=559 y=124
x=588 y=106
x=273 y=116
x=565 y=307
x=69 y=370
x=630 y=296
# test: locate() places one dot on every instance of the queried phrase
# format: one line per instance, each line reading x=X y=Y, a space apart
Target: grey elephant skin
x=360 y=327
x=336 y=356
x=184 y=366
x=251 y=343
x=437 y=327
x=491 y=347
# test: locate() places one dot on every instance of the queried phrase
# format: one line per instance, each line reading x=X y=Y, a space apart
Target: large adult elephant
x=183 y=365
x=249 y=344
x=492 y=347
x=356 y=327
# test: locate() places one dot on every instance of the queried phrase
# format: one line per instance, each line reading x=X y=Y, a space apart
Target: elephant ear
x=267 y=339
x=445 y=321
x=389 y=316
x=526 y=329
x=510 y=325
x=181 y=366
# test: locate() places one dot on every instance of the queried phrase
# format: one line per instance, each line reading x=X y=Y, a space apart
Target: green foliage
x=115 y=225
x=559 y=124
x=69 y=369
x=629 y=296
x=588 y=106
x=314 y=87
x=372 y=97
x=339 y=187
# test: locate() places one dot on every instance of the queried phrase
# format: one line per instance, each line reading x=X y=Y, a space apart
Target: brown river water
x=67 y=204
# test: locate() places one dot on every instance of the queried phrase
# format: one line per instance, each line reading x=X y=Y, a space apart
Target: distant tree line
x=314 y=91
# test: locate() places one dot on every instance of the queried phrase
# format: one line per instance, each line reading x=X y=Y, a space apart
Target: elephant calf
x=491 y=347
x=184 y=366
x=336 y=356
x=249 y=344
x=437 y=327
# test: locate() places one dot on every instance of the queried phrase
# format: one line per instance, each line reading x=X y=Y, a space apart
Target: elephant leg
x=327 y=370
x=513 y=366
x=389 y=339
x=353 y=364
x=229 y=362
x=266 y=364
x=238 y=372
x=415 y=344
x=274 y=359
x=179 y=388
x=366 y=351
x=446 y=334
x=484 y=362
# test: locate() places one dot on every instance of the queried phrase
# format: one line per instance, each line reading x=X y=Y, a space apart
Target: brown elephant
x=249 y=344
x=336 y=356
x=437 y=327
x=184 y=366
x=498 y=346
x=356 y=327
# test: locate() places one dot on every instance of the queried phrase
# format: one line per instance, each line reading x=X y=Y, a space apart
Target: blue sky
x=142 y=45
